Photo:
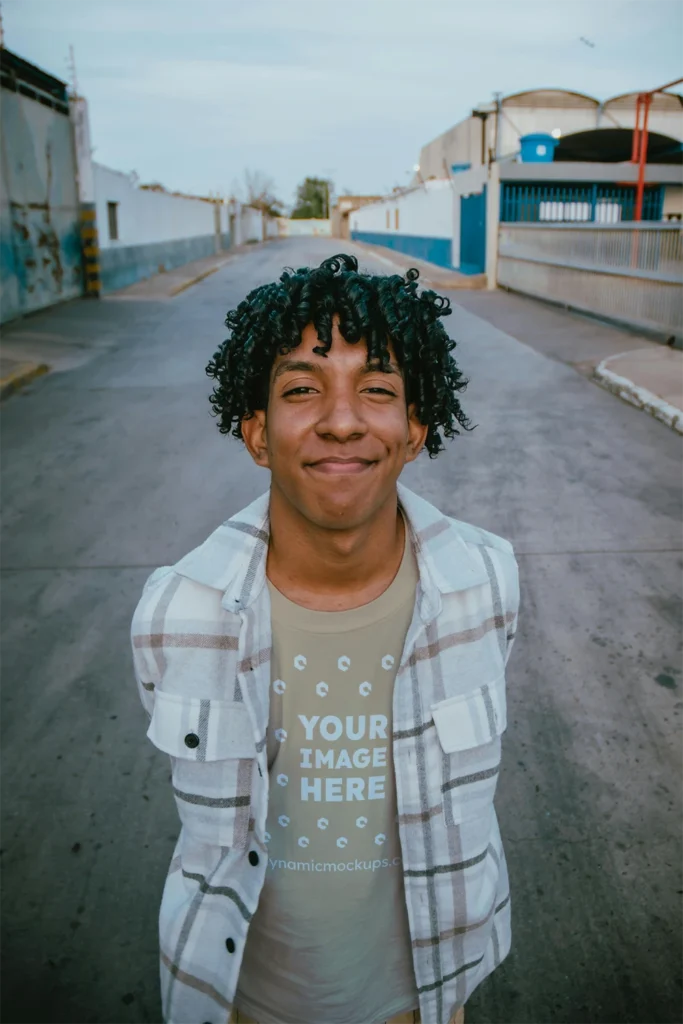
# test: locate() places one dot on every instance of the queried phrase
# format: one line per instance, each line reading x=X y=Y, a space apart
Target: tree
x=312 y=199
x=259 y=190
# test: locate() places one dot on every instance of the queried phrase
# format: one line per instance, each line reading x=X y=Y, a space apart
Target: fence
x=599 y=203
x=631 y=273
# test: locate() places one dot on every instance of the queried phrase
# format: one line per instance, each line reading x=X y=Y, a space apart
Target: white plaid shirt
x=201 y=638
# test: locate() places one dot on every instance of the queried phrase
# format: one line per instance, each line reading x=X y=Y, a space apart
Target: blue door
x=473 y=233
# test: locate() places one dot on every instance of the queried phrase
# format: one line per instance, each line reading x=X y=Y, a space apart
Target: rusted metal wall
x=40 y=248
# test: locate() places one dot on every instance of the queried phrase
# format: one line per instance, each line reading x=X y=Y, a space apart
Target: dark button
x=192 y=740
x=253 y=858
x=230 y=945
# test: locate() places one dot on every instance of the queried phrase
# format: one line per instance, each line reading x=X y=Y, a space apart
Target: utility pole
x=483 y=117
x=327 y=171
x=498 y=98
x=72 y=69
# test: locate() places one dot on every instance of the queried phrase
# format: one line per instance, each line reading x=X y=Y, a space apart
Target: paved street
x=114 y=466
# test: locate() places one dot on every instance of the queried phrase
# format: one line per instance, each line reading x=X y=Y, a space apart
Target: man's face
x=336 y=434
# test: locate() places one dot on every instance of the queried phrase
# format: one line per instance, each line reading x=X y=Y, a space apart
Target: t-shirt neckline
x=400 y=590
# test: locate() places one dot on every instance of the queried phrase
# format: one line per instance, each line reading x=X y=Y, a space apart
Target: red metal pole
x=668 y=85
x=635 y=148
x=647 y=100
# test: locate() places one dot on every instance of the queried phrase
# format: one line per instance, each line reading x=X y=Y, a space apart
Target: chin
x=339 y=512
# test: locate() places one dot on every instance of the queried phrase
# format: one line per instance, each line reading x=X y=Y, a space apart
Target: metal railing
x=600 y=203
x=627 y=272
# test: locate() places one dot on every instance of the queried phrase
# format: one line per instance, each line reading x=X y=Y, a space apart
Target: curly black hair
x=377 y=309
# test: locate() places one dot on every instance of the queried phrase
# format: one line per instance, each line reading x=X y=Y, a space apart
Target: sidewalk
x=430 y=273
x=16 y=373
x=28 y=351
x=651 y=380
x=644 y=372
x=172 y=282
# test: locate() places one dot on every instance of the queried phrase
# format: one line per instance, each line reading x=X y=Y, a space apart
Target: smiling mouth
x=341 y=466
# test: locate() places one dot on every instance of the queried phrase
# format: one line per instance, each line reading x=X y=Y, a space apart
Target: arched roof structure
x=660 y=101
x=549 y=98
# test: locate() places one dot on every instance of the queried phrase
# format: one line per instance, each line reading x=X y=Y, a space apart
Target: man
x=327 y=673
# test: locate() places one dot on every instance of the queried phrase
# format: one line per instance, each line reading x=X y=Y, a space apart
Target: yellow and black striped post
x=91 y=251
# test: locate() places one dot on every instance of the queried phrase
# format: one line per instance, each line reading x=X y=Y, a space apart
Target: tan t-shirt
x=330 y=942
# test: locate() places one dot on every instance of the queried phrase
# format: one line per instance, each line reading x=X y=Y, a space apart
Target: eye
x=382 y=391
x=297 y=390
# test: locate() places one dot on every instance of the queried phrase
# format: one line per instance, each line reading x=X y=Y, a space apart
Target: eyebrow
x=294 y=365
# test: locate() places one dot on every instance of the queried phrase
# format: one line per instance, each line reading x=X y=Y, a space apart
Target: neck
x=333 y=570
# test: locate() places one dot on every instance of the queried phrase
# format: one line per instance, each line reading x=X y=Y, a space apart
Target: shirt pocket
x=469 y=729
x=213 y=759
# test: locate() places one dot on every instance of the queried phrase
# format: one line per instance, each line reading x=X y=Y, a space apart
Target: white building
x=493 y=130
x=543 y=155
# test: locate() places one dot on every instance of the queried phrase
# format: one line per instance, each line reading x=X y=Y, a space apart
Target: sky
x=191 y=93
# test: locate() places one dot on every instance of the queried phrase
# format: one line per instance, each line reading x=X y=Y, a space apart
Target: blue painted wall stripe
x=121 y=266
x=434 y=250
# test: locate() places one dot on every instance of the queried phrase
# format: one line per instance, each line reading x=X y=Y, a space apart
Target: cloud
x=191 y=93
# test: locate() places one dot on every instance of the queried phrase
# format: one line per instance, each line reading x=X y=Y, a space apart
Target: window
x=113 y=217
x=388 y=220
x=396 y=219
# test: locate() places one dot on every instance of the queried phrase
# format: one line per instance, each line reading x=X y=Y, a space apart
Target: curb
x=195 y=280
x=433 y=278
x=24 y=374
x=640 y=397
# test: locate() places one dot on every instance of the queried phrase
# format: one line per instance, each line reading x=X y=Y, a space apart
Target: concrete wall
x=340 y=217
x=418 y=222
x=156 y=230
x=40 y=249
x=272 y=227
x=461 y=144
x=249 y=224
x=80 y=123
x=146 y=217
x=428 y=218
x=628 y=273
x=120 y=267
x=304 y=228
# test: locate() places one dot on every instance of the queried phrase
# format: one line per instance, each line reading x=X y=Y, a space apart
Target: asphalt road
x=115 y=466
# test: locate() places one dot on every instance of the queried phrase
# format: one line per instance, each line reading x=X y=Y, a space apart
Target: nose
x=341 y=417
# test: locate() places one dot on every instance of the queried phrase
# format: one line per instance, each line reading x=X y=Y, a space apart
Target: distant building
x=586 y=130
x=544 y=156
x=345 y=206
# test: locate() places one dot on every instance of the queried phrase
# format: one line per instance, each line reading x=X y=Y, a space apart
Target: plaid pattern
x=201 y=640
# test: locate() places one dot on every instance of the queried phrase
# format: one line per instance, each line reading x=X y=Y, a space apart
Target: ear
x=255 y=439
x=417 y=435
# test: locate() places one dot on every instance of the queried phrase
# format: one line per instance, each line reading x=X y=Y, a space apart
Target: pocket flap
x=200 y=730
x=471 y=719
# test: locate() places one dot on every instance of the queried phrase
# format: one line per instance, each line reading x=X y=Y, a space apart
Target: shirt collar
x=233 y=557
